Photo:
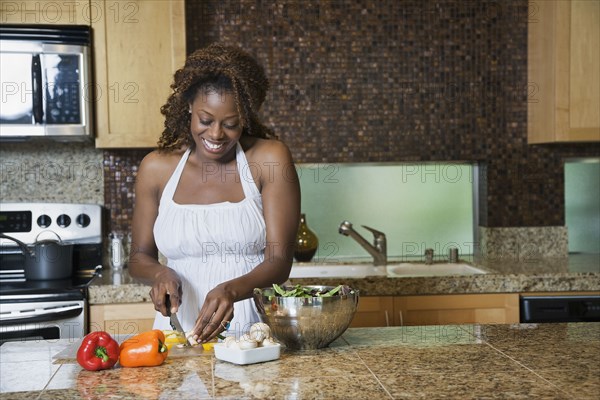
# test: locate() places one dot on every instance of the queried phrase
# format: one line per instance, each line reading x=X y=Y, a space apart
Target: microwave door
x=22 y=96
x=62 y=92
x=66 y=90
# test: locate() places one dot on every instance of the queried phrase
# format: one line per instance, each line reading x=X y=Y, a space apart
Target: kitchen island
x=550 y=361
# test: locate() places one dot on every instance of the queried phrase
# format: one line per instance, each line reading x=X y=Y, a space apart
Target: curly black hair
x=215 y=68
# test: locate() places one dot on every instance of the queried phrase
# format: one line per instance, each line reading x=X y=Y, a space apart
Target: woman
x=219 y=199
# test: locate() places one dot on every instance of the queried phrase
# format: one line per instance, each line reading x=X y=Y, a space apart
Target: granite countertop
x=550 y=361
x=580 y=272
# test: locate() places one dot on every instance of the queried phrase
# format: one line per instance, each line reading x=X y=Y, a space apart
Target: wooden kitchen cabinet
x=138 y=45
x=76 y=12
x=122 y=319
x=374 y=311
x=497 y=308
x=563 y=71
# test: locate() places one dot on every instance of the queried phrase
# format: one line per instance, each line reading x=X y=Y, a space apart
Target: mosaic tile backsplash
x=410 y=80
x=386 y=81
x=120 y=171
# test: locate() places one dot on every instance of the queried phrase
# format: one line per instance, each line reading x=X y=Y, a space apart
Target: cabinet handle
x=401 y=319
x=387 y=318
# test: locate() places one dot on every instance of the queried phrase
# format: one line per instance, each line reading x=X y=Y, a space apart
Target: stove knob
x=44 y=221
x=83 y=220
x=63 y=220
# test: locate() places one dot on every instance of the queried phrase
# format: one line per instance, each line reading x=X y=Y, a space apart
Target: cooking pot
x=48 y=259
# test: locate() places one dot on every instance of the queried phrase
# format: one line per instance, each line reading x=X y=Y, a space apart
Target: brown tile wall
x=120 y=170
x=393 y=80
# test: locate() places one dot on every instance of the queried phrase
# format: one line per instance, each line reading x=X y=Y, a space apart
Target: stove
x=56 y=286
x=47 y=309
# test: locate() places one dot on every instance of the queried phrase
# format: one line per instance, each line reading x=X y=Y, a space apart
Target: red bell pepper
x=98 y=351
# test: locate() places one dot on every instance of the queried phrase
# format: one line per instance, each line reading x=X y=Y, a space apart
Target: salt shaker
x=453 y=255
x=117 y=251
x=117 y=278
x=428 y=256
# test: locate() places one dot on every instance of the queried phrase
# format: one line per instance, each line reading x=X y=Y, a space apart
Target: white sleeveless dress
x=208 y=244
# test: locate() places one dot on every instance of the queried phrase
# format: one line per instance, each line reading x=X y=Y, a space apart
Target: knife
x=174 y=321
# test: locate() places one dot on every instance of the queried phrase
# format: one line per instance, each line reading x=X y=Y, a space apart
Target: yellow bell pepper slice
x=209 y=345
x=173 y=338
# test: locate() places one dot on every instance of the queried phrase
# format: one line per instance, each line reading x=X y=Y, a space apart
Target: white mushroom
x=190 y=337
x=246 y=342
x=269 y=342
x=260 y=331
x=229 y=341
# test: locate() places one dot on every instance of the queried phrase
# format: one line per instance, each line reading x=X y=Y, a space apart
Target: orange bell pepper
x=147 y=349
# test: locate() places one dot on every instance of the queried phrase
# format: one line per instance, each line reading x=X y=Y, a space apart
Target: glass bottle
x=307 y=242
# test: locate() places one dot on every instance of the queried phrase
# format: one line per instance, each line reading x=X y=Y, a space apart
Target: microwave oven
x=45 y=76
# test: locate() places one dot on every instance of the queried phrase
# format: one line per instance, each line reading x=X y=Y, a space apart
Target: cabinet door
x=457 y=309
x=374 y=311
x=138 y=46
x=46 y=12
x=584 y=70
x=122 y=319
x=563 y=71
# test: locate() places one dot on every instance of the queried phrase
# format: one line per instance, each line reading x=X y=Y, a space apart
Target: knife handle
x=168 y=304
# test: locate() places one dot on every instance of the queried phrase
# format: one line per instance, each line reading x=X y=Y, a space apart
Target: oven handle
x=42 y=315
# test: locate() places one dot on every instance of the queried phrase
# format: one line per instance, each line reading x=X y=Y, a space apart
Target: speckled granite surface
x=576 y=273
x=550 y=361
x=48 y=171
x=524 y=243
x=117 y=288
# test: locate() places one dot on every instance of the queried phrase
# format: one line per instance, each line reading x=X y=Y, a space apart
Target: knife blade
x=174 y=321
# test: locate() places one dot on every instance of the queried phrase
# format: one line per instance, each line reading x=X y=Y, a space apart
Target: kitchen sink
x=394 y=270
x=309 y=270
x=436 y=269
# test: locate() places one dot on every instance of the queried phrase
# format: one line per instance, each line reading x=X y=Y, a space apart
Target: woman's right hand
x=166 y=282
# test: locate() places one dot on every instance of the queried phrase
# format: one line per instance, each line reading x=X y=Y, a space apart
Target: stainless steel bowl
x=304 y=323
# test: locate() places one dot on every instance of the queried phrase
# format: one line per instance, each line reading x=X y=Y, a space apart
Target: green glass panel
x=417 y=206
x=582 y=205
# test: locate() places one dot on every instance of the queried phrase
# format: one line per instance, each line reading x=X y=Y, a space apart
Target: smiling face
x=216 y=126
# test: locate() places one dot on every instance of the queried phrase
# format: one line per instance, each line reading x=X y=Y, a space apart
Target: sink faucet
x=378 y=249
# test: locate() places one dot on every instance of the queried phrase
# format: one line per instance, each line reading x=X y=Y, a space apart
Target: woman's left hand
x=215 y=315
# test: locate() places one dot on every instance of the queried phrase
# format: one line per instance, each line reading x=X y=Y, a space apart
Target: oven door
x=22 y=320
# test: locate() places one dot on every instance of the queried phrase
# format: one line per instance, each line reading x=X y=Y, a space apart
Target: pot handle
x=60 y=241
x=22 y=246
